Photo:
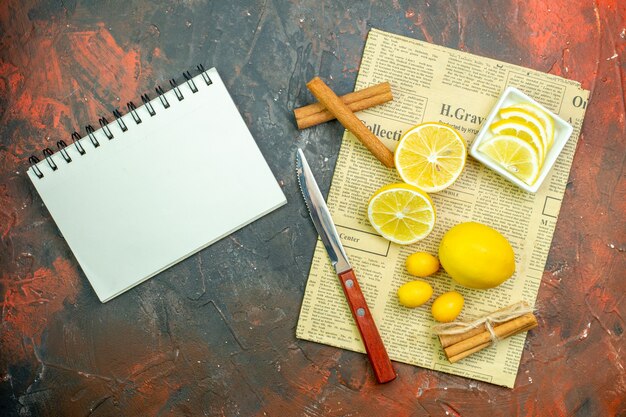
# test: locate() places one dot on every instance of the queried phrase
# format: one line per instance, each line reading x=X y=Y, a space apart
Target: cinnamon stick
x=459 y=346
x=316 y=113
x=482 y=346
x=451 y=339
x=462 y=355
x=340 y=110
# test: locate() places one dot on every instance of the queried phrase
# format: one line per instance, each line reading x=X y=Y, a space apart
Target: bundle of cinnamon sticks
x=460 y=345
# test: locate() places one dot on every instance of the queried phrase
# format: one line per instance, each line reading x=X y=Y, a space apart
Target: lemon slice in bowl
x=401 y=213
x=545 y=118
x=523 y=114
x=514 y=155
x=430 y=156
x=522 y=130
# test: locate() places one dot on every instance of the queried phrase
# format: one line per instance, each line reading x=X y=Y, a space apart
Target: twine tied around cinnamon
x=498 y=316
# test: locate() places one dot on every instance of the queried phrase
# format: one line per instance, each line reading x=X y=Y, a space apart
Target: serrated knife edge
x=320 y=214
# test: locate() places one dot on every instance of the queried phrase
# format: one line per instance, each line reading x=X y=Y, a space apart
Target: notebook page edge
x=114 y=295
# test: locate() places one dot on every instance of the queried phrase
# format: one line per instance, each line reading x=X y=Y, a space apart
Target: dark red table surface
x=215 y=334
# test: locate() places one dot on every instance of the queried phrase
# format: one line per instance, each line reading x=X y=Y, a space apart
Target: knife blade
x=323 y=222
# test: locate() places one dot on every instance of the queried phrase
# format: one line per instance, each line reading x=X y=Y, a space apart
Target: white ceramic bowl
x=562 y=132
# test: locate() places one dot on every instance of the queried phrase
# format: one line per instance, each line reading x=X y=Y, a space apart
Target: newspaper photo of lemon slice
x=513 y=154
x=430 y=156
x=545 y=118
x=523 y=130
x=517 y=113
x=401 y=213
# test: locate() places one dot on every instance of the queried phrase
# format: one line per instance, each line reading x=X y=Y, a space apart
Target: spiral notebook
x=156 y=184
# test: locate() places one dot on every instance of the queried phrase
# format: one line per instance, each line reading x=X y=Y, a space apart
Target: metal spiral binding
x=179 y=95
x=190 y=82
x=104 y=123
x=161 y=93
x=118 y=117
x=90 y=132
x=48 y=153
x=76 y=140
x=62 y=145
x=132 y=109
x=205 y=76
x=33 y=160
x=146 y=102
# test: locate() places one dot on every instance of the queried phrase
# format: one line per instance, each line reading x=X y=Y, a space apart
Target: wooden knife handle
x=369 y=333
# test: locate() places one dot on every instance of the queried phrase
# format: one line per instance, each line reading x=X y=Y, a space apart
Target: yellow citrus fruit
x=513 y=154
x=447 y=306
x=476 y=255
x=521 y=114
x=522 y=130
x=422 y=264
x=414 y=293
x=430 y=156
x=401 y=213
x=546 y=120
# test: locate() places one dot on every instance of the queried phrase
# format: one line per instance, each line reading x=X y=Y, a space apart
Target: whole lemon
x=422 y=264
x=414 y=293
x=476 y=255
x=447 y=306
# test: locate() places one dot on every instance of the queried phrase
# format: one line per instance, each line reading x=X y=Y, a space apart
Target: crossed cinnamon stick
x=342 y=108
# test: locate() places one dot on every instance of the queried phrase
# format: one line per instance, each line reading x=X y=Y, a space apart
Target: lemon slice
x=523 y=130
x=545 y=118
x=401 y=213
x=518 y=113
x=430 y=156
x=513 y=154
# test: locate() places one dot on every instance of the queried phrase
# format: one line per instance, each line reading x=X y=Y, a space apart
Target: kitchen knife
x=330 y=238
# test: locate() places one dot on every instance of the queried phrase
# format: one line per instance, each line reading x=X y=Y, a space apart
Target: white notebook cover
x=159 y=192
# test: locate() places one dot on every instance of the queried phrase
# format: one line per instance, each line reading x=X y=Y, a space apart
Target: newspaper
x=433 y=83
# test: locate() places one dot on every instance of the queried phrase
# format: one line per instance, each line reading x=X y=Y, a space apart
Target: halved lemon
x=515 y=112
x=523 y=130
x=545 y=118
x=431 y=156
x=401 y=213
x=513 y=154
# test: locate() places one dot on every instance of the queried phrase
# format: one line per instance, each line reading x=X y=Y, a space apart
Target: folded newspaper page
x=433 y=83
